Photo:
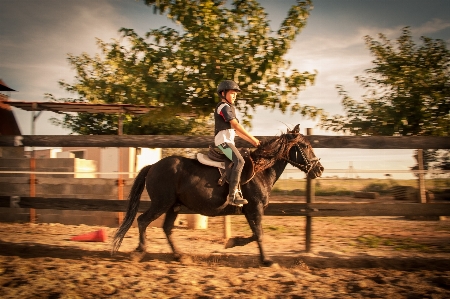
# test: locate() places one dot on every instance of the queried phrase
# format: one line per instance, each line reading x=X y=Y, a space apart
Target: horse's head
x=300 y=153
x=292 y=147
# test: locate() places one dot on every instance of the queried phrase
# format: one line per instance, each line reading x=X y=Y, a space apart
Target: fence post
x=310 y=194
x=422 y=194
x=32 y=183
x=226 y=227
x=33 y=165
x=120 y=181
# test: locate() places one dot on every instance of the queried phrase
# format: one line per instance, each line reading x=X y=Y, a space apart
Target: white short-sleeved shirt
x=223 y=115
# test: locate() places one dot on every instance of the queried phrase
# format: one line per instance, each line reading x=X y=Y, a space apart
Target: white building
x=107 y=162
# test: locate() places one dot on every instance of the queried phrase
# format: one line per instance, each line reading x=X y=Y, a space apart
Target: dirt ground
x=354 y=257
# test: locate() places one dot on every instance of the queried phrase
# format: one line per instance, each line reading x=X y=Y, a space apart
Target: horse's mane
x=273 y=149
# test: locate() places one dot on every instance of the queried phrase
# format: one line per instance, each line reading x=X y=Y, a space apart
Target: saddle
x=218 y=159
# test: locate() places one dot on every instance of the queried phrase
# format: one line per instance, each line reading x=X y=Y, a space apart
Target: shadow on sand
x=35 y=250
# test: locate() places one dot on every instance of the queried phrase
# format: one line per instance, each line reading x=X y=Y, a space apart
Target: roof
x=4 y=87
x=82 y=107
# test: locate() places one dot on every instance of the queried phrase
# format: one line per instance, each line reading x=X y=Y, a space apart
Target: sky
x=36 y=37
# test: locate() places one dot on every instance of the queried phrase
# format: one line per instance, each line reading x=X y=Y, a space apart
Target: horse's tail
x=133 y=207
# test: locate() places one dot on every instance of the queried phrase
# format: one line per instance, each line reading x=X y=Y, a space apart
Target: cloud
x=36 y=38
x=433 y=26
x=44 y=32
x=338 y=58
x=430 y=27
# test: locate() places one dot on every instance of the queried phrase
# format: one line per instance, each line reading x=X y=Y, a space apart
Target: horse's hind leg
x=169 y=223
x=143 y=221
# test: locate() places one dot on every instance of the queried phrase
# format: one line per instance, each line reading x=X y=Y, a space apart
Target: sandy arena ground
x=354 y=257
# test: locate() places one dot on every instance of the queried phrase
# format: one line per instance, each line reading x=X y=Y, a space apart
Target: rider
x=226 y=127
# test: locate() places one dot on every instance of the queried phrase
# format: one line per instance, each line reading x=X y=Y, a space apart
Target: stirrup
x=236 y=199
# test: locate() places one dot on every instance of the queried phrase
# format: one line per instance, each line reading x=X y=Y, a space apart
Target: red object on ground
x=97 y=236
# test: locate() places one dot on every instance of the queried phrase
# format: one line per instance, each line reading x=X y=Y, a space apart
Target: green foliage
x=442 y=159
x=408 y=91
x=179 y=70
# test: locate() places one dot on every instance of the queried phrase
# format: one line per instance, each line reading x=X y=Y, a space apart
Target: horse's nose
x=319 y=171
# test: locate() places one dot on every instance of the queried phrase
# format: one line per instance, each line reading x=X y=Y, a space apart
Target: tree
x=179 y=70
x=408 y=91
x=434 y=160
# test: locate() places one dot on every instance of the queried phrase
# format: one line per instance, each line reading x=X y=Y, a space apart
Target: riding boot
x=235 y=195
x=235 y=198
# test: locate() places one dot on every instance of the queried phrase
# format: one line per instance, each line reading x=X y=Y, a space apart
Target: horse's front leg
x=254 y=219
x=255 y=222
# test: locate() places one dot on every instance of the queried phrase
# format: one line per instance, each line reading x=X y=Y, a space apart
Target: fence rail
x=286 y=171
x=173 y=141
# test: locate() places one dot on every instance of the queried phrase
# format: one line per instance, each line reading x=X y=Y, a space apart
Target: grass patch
x=372 y=241
x=279 y=229
x=369 y=241
x=328 y=191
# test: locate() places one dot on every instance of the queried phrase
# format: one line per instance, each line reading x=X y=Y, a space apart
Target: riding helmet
x=227 y=85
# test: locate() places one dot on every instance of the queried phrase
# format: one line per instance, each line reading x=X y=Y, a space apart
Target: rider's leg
x=233 y=154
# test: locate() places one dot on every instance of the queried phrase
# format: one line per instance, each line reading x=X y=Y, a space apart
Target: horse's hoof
x=140 y=248
x=137 y=256
x=275 y=266
x=178 y=257
x=269 y=263
x=230 y=243
x=185 y=260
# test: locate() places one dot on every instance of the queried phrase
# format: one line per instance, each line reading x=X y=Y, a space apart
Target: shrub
x=381 y=188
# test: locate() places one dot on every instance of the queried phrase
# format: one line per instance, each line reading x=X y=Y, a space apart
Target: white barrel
x=197 y=221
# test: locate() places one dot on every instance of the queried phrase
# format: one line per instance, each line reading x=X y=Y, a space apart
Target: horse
x=177 y=181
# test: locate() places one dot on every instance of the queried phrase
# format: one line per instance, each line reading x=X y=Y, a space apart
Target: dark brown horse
x=175 y=181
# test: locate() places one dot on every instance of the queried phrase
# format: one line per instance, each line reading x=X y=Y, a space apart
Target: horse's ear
x=296 y=129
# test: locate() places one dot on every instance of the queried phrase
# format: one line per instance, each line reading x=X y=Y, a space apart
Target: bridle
x=309 y=163
x=266 y=157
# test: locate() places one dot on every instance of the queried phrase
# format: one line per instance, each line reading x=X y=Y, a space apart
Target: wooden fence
x=171 y=141
x=308 y=209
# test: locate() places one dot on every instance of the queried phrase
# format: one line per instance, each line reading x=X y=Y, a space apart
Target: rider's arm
x=242 y=132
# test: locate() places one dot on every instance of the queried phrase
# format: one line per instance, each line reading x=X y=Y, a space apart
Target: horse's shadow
x=299 y=260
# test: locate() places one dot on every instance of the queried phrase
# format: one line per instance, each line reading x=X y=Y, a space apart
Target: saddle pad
x=204 y=159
